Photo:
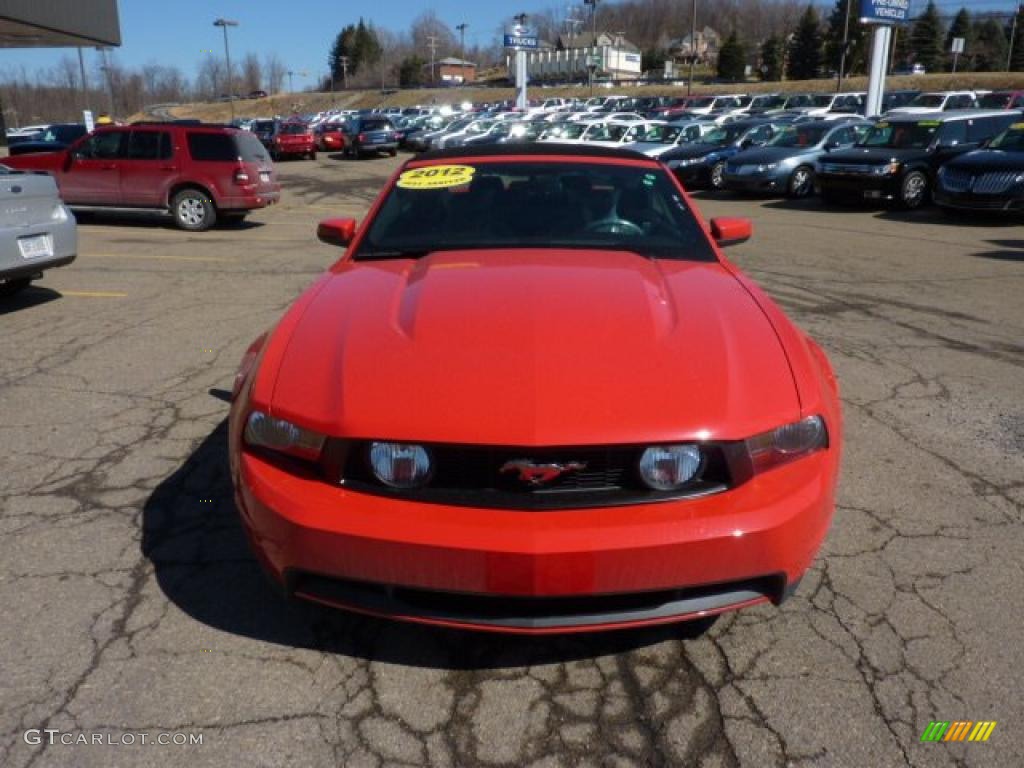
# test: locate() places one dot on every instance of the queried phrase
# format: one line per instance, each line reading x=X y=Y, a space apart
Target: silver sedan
x=37 y=231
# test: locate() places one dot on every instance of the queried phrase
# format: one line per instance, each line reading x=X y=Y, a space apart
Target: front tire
x=193 y=210
x=11 y=287
x=392 y=152
x=913 y=191
x=801 y=183
x=716 y=178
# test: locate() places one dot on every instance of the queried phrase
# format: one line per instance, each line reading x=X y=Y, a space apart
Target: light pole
x=693 y=48
x=842 y=53
x=105 y=68
x=85 y=83
x=1013 y=37
x=462 y=49
x=592 y=65
x=224 y=24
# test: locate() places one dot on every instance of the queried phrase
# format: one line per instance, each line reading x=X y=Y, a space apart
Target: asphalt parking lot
x=131 y=604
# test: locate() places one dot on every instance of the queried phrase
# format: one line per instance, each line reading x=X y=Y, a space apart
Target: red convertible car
x=533 y=396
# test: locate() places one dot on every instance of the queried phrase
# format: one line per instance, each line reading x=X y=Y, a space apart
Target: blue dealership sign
x=884 y=11
x=521 y=37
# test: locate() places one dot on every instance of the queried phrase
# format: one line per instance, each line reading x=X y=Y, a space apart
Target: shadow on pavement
x=1011 y=250
x=148 y=220
x=193 y=537
x=33 y=296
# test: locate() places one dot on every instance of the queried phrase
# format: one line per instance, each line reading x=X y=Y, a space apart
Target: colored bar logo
x=958 y=730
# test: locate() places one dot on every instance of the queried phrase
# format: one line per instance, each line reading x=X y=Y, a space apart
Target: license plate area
x=265 y=176
x=35 y=246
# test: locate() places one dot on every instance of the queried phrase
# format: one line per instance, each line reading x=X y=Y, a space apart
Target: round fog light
x=669 y=467
x=400 y=465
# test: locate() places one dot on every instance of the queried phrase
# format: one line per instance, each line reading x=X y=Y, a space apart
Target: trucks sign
x=521 y=37
x=884 y=11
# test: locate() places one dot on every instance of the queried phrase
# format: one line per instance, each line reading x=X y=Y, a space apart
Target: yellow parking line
x=95 y=294
x=158 y=257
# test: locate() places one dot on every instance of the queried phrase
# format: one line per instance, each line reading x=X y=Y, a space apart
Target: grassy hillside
x=287 y=103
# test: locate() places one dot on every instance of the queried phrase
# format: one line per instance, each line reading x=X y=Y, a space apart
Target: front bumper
x=693 y=176
x=774 y=181
x=1004 y=203
x=537 y=572
x=383 y=146
x=295 y=149
x=65 y=247
x=863 y=187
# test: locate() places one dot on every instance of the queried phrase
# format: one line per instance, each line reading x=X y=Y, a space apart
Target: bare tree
x=211 y=80
x=274 y=72
x=252 y=73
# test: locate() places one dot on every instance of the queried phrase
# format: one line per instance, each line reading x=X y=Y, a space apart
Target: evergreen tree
x=961 y=27
x=732 y=59
x=991 y=46
x=344 y=45
x=857 y=41
x=368 y=50
x=772 y=59
x=926 y=38
x=1017 y=57
x=410 y=71
x=805 y=48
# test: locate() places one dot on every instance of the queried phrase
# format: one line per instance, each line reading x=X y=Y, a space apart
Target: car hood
x=914 y=111
x=694 y=150
x=989 y=160
x=765 y=155
x=534 y=347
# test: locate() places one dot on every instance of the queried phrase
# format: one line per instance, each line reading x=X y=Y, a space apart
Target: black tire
x=716 y=176
x=801 y=183
x=392 y=152
x=11 y=287
x=312 y=155
x=914 y=191
x=193 y=210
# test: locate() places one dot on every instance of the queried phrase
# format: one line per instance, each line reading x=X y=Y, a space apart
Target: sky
x=179 y=32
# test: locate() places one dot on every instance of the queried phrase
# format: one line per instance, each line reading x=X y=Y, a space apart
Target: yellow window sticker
x=436 y=177
x=1017 y=127
x=929 y=123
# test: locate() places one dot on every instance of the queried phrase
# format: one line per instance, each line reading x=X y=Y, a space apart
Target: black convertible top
x=539 y=149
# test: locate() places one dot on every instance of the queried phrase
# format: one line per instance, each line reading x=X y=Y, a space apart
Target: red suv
x=294 y=139
x=198 y=173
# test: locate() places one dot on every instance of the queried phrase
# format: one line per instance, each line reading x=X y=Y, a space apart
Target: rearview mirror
x=730 y=231
x=336 y=231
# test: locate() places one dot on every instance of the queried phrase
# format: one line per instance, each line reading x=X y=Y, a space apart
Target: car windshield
x=701 y=103
x=293 y=128
x=263 y=125
x=767 y=102
x=549 y=205
x=799 y=136
x=722 y=135
x=901 y=135
x=821 y=100
x=994 y=101
x=249 y=148
x=661 y=134
x=375 y=125
x=1010 y=140
x=573 y=130
x=928 y=100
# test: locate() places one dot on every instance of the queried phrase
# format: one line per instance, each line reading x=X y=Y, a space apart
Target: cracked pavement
x=131 y=603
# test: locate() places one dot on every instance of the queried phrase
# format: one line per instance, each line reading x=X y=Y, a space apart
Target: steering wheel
x=614 y=226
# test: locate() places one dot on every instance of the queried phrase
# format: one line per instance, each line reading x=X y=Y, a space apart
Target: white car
x=727 y=103
x=659 y=139
x=613 y=133
x=933 y=102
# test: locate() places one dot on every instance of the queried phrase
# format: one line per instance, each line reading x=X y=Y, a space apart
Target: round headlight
x=400 y=465
x=800 y=436
x=669 y=467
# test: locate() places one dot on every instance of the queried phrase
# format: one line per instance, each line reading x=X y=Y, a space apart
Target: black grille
x=472 y=476
x=533 y=612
